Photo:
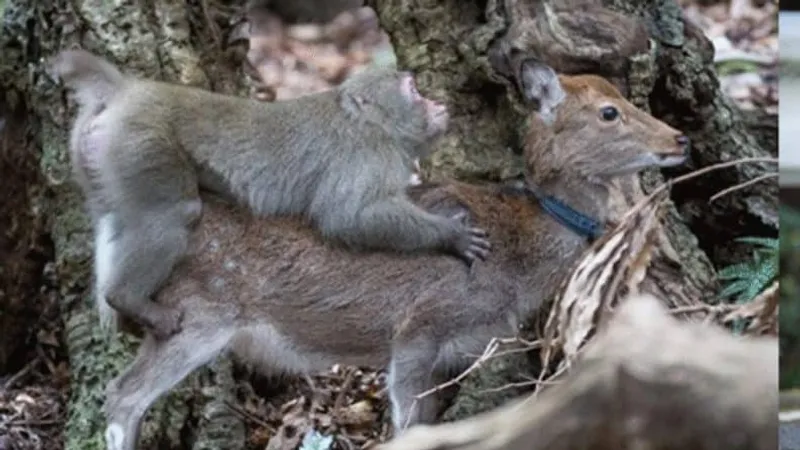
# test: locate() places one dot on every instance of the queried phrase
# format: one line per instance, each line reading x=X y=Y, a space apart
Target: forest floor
x=345 y=407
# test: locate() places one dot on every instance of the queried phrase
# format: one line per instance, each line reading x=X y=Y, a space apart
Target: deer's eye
x=609 y=113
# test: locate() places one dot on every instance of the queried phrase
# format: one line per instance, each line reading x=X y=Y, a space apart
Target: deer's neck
x=552 y=250
x=574 y=202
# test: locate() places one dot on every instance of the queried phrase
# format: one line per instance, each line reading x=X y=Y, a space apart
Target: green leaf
x=734 y=66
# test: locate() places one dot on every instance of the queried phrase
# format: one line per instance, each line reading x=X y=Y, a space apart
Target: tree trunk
x=447 y=43
x=167 y=40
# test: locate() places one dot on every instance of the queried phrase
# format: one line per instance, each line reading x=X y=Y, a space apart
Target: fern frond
x=748 y=279
x=735 y=271
x=734 y=288
x=750 y=293
x=764 y=242
x=769 y=270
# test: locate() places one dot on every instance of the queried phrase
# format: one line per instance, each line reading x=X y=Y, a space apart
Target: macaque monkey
x=341 y=158
x=271 y=291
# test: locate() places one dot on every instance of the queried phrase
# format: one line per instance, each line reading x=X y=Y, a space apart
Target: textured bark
x=161 y=39
x=673 y=77
x=24 y=247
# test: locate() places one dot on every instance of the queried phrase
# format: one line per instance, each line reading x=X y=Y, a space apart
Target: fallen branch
x=740 y=186
x=704 y=170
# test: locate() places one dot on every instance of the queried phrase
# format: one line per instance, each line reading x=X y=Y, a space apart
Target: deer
x=274 y=294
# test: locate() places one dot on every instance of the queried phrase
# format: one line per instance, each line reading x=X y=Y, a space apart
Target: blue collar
x=564 y=214
x=571 y=218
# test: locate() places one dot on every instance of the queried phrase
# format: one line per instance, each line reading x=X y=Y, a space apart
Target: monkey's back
x=270 y=155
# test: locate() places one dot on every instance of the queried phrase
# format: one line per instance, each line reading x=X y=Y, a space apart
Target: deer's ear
x=540 y=86
x=537 y=82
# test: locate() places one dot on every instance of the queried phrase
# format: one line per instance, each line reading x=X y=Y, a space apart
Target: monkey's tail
x=94 y=79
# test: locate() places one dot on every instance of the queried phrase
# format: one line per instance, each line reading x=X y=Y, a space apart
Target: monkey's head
x=389 y=99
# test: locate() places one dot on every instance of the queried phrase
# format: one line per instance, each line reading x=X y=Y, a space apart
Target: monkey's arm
x=397 y=224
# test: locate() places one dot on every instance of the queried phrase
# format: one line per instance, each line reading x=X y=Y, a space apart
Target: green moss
x=490 y=386
x=94 y=360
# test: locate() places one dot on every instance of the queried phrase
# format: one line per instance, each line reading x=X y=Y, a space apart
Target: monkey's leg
x=158 y=367
x=411 y=374
x=145 y=254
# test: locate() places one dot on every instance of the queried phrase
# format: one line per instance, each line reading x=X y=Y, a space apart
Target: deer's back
x=278 y=278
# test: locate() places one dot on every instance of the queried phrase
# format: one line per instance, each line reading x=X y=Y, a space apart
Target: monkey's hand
x=470 y=243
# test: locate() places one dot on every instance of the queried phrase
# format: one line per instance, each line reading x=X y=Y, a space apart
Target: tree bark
x=24 y=247
x=446 y=42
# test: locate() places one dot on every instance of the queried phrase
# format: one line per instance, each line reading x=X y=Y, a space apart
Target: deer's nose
x=684 y=142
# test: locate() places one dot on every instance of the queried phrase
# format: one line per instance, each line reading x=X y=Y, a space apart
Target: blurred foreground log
x=646 y=382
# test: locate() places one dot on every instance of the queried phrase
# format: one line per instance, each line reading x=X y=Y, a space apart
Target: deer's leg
x=445 y=396
x=158 y=367
x=411 y=374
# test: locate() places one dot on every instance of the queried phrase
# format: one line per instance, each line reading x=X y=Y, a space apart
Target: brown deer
x=275 y=294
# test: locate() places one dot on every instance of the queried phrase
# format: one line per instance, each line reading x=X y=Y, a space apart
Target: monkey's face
x=429 y=117
x=390 y=99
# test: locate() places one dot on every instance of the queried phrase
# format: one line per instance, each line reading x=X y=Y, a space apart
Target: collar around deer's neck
x=569 y=217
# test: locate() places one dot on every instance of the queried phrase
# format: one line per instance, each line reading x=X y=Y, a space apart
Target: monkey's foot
x=165 y=324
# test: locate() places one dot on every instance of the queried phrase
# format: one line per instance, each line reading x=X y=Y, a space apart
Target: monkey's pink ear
x=540 y=86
